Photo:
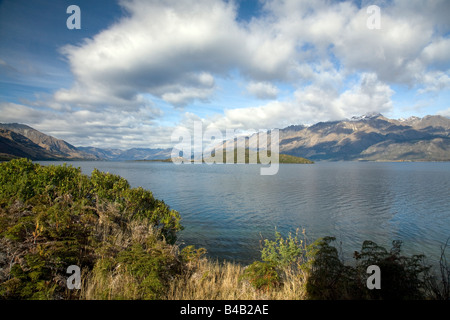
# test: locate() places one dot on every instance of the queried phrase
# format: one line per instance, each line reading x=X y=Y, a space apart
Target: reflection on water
x=228 y=208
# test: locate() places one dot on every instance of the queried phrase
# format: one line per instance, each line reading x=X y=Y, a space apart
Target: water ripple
x=227 y=208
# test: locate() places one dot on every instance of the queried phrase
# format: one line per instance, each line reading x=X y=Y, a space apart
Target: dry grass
x=118 y=283
x=222 y=281
x=113 y=286
x=203 y=279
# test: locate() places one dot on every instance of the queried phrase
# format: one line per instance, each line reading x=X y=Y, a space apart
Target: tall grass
x=304 y=271
x=124 y=240
x=215 y=280
x=113 y=278
x=199 y=278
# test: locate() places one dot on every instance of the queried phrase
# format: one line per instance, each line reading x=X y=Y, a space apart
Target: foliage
x=439 y=286
x=329 y=278
x=150 y=270
x=52 y=217
x=124 y=240
x=402 y=277
x=262 y=275
x=280 y=259
x=282 y=252
x=191 y=256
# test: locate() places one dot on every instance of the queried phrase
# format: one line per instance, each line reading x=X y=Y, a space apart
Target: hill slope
x=14 y=145
x=371 y=137
x=55 y=149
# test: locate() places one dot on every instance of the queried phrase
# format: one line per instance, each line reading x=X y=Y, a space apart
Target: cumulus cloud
x=435 y=81
x=176 y=51
x=15 y=113
x=103 y=128
x=310 y=105
x=262 y=90
x=436 y=53
x=165 y=49
x=445 y=113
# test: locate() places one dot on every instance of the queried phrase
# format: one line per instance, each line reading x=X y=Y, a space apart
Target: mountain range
x=129 y=154
x=371 y=137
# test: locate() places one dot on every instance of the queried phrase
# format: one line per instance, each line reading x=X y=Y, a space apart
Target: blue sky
x=137 y=70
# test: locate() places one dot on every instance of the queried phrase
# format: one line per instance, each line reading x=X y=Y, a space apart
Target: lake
x=228 y=209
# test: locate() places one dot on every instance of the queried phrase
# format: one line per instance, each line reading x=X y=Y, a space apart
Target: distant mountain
x=368 y=137
x=371 y=137
x=130 y=154
x=104 y=154
x=19 y=140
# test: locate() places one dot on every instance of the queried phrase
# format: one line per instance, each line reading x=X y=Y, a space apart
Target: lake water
x=228 y=209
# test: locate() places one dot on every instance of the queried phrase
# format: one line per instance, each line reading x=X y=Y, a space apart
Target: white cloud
x=175 y=51
x=445 y=113
x=435 y=81
x=16 y=113
x=310 y=105
x=370 y=95
x=165 y=49
x=437 y=53
x=104 y=128
x=262 y=90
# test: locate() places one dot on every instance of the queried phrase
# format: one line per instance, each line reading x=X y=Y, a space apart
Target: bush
x=262 y=275
x=52 y=217
x=149 y=271
x=328 y=278
x=402 y=277
x=282 y=252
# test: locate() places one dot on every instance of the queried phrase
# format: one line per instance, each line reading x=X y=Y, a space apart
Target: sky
x=137 y=70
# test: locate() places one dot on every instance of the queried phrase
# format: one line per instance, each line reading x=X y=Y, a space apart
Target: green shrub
x=262 y=275
x=401 y=277
x=328 y=278
x=191 y=256
x=282 y=252
x=147 y=268
x=107 y=186
x=52 y=217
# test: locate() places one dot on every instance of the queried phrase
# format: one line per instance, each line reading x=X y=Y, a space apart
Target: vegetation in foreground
x=124 y=240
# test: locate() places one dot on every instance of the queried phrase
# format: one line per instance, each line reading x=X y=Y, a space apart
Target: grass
x=198 y=278
x=124 y=241
x=215 y=280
